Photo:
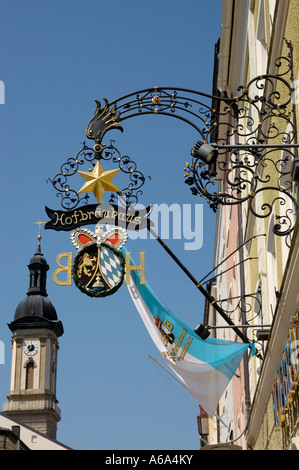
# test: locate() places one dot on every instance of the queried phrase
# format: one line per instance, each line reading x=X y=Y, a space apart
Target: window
x=261 y=43
x=29 y=376
x=272 y=267
x=272 y=4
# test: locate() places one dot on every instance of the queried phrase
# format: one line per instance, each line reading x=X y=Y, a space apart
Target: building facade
x=256 y=243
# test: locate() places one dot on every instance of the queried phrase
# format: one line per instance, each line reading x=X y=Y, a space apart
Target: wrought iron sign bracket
x=248 y=142
x=254 y=133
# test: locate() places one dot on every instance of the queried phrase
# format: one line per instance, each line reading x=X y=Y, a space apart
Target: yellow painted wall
x=270 y=438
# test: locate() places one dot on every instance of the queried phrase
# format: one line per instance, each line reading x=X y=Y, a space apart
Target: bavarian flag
x=204 y=367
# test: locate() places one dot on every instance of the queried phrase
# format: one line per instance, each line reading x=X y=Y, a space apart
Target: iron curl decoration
x=70 y=198
x=130 y=193
x=259 y=123
x=248 y=177
x=259 y=168
x=246 y=303
x=195 y=109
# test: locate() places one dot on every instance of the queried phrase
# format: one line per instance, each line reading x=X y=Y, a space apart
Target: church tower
x=36 y=329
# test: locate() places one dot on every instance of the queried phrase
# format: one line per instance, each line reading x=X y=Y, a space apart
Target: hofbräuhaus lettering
x=92 y=214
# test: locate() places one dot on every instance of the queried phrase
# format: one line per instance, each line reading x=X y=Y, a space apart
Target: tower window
x=29 y=375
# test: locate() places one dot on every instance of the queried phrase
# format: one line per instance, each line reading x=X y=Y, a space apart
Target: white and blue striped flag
x=204 y=367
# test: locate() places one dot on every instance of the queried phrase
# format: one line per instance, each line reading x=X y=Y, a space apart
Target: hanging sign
x=99 y=267
x=130 y=218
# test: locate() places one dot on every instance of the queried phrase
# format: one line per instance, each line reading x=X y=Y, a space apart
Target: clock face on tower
x=30 y=347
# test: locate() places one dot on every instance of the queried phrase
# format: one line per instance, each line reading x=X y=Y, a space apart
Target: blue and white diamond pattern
x=110 y=266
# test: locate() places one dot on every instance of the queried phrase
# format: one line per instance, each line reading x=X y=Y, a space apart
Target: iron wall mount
x=255 y=134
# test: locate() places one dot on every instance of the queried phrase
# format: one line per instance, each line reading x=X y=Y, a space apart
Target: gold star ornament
x=98 y=181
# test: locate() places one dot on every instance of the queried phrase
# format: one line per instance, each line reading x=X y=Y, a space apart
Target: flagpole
x=199 y=286
x=172 y=375
x=181 y=383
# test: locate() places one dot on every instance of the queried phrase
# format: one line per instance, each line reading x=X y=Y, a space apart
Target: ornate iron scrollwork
x=257 y=167
x=248 y=303
x=131 y=192
x=248 y=175
x=257 y=124
x=253 y=116
x=70 y=198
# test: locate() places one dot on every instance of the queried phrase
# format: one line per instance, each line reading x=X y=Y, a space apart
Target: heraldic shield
x=98 y=269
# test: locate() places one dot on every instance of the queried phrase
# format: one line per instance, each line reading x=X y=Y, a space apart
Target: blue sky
x=57 y=58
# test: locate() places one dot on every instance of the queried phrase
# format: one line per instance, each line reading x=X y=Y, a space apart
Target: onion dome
x=36 y=310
